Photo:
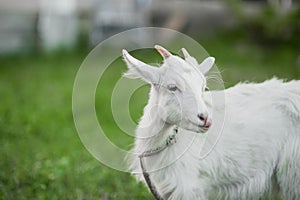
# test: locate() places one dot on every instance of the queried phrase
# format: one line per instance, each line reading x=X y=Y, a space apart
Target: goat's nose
x=206 y=121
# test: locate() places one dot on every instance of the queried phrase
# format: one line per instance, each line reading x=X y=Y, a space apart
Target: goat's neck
x=152 y=131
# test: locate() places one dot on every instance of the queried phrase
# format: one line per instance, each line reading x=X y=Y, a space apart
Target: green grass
x=41 y=154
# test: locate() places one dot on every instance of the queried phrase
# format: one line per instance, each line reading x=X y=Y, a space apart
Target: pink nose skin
x=208 y=123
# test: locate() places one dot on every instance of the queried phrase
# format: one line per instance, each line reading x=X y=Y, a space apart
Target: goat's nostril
x=202 y=117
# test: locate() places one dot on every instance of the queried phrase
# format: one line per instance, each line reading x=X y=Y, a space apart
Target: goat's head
x=179 y=85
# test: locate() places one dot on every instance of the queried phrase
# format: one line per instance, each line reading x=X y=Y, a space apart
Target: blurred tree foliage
x=272 y=26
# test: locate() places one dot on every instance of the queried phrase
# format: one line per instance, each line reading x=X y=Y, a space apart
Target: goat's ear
x=207 y=64
x=139 y=69
x=204 y=67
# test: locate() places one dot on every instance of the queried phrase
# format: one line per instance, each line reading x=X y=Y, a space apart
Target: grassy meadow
x=41 y=155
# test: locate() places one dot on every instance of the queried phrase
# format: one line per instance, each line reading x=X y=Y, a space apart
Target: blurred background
x=43 y=43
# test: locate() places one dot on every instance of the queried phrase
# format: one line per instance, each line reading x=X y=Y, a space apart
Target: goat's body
x=259 y=148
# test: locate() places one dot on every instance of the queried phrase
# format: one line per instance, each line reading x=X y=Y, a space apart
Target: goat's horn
x=185 y=53
x=163 y=52
x=131 y=59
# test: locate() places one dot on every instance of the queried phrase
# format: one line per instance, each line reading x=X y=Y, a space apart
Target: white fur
x=259 y=149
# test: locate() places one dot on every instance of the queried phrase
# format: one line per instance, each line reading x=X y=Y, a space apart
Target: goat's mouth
x=207 y=124
x=204 y=127
x=200 y=128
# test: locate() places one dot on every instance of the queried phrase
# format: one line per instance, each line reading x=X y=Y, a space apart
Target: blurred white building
x=57 y=24
x=54 y=24
x=113 y=16
x=40 y=24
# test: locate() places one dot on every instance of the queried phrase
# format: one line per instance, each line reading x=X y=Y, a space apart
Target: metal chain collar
x=169 y=141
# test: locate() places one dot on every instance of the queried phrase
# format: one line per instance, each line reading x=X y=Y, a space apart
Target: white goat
x=259 y=148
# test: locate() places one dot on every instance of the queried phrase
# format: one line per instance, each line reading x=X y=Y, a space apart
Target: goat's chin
x=197 y=130
x=193 y=128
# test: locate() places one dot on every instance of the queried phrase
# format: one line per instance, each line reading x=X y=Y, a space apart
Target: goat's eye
x=172 y=87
